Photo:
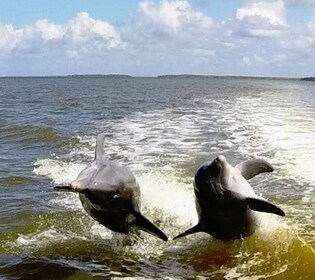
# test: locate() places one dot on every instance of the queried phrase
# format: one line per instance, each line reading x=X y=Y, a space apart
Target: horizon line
x=154 y=76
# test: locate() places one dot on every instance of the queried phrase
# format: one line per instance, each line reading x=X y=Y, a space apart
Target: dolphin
x=110 y=194
x=225 y=201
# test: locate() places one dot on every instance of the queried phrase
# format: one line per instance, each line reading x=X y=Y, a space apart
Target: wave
x=275 y=250
x=30 y=134
x=13 y=180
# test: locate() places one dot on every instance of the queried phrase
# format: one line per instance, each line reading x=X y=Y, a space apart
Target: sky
x=270 y=38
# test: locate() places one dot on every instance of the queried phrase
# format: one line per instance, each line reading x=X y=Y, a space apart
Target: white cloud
x=172 y=18
x=48 y=31
x=9 y=38
x=262 y=19
x=169 y=32
x=84 y=29
x=300 y=39
x=80 y=35
x=300 y=43
x=168 y=36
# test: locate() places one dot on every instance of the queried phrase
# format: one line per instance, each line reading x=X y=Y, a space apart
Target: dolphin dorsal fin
x=251 y=168
x=99 y=149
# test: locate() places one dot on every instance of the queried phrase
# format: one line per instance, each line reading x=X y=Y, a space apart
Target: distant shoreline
x=100 y=75
x=308 y=79
x=165 y=76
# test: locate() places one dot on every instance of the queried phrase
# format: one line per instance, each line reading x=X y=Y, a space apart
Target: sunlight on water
x=161 y=190
x=290 y=132
x=40 y=239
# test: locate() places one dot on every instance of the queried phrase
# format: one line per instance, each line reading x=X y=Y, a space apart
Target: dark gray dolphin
x=225 y=201
x=110 y=194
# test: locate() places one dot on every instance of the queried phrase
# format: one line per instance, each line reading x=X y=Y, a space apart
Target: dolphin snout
x=221 y=159
x=218 y=161
x=72 y=187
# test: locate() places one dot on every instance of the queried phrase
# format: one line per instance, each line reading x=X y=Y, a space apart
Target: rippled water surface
x=162 y=129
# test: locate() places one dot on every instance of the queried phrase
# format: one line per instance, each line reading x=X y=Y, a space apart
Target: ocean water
x=162 y=129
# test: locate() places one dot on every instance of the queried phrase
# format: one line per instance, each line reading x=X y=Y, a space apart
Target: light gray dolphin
x=225 y=201
x=110 y=194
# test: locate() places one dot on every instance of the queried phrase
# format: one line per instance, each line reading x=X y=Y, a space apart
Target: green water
x=162 y=129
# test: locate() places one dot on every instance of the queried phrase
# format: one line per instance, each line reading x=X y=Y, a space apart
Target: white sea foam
x=271 y=226
x=69 y=201
x=39 y=239
x=173 y=200
x=161 y=136
x=59 y=172
x=290 y=132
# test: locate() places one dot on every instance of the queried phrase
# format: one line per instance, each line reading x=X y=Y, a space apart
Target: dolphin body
x=110 y=194
x=225 y=201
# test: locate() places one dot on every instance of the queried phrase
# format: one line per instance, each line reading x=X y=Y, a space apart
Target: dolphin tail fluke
x=195 y=229
x=144 y=224
x=261 y=205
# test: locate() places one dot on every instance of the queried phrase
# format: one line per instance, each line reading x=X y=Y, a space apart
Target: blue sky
x=148 y=38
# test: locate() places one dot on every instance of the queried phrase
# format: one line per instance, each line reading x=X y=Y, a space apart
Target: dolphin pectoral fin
x=70 y=188
x=144 y=224
x=261 y=205
x=251 y=168
x=194 y=229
